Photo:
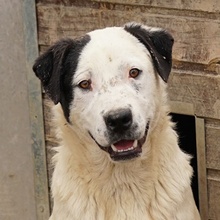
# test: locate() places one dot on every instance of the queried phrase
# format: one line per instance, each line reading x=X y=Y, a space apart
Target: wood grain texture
x=48 y=118
x=213 y=144
x=197 y=39
x=202 y=5
x=214 y=194
x=50 y=140
x=203 y=91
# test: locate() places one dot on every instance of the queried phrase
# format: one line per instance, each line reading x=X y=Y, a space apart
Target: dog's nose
x=119 y=120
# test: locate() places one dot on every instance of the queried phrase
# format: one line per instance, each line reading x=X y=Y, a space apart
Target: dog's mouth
x=125 y=149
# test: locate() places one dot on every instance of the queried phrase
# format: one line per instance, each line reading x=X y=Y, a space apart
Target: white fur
x=87 y=184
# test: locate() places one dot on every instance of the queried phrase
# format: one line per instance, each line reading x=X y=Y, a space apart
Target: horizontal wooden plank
x=202 y=5
x=198 y=89
x=214 y=194
x=212 y=144
x=196 y=39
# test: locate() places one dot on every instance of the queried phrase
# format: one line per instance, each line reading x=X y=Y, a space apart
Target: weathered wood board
x=192 y=34
x=23 y=177
x=213 y=144
x=201 y=90
x=214 y=194
x=202 y=5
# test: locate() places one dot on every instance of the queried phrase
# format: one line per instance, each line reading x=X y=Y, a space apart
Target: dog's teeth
x=123 y=150
x=135 y=144
x=114 y=148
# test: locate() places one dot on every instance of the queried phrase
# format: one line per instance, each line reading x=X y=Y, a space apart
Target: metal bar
x=36 y=112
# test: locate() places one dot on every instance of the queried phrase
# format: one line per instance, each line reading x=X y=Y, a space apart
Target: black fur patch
x=56 y=67
x=159 y=43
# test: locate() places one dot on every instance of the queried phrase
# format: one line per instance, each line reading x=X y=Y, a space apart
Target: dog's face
x=107 y=83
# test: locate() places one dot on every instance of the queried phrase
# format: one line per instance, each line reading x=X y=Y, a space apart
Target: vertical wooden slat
x=201 y=164
x=36 y=113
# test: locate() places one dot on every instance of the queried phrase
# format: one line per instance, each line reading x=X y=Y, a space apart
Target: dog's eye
x=85 y=84
x=133 y=73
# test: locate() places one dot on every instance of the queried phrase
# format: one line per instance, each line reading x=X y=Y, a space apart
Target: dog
x=118 y=157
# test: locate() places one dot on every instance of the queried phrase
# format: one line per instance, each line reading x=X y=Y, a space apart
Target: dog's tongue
x=124 y=144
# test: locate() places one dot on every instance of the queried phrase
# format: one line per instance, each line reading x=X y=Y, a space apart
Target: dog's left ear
x=49 y=68
x=158 y=42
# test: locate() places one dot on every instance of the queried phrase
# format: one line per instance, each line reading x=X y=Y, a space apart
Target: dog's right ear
x=159 y=44
x=49 y=68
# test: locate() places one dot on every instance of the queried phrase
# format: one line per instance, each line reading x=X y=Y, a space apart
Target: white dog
x=119 y=157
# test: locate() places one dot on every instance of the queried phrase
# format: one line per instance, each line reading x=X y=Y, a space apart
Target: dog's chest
x=125 y=193
x=126 y=202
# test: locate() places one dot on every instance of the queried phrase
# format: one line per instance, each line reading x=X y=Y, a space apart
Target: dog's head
x=107 y=83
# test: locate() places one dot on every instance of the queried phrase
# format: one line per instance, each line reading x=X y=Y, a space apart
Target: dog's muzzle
x=119 y=125
x=118 y=122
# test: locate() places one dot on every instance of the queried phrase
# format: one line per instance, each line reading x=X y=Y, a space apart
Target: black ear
x=158 y=42
x=49 y=68
x=56 y=67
